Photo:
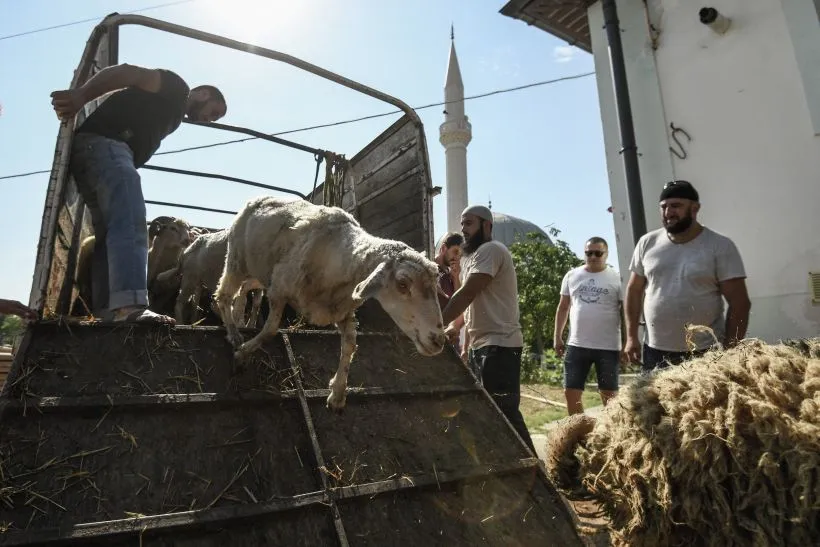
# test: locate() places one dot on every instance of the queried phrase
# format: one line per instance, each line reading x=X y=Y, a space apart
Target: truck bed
x=146 y=435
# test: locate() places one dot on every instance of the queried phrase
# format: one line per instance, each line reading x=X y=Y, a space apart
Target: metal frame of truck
x=387 y=185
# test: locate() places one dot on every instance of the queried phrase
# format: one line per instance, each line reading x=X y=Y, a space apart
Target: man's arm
x=561 y=315
x=13 y=307
x=737 y=316
x=463 y=297
x=68 y=102
x=622 y=319
x=632 y=312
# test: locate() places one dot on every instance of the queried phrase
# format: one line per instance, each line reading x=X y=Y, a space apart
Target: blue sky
x=538 y=153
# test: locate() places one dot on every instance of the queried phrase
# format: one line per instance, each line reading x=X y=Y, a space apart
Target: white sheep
x=321 y=262
x=199 y=267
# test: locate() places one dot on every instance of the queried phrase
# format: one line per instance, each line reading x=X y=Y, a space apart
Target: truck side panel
x=65 y=222
x=388 y=187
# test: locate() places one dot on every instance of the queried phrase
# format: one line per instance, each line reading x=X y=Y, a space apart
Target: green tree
x=540 y=267
x=10 y=327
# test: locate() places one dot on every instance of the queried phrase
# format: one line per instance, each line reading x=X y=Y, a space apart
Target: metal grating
x=122 y=435
x=814 y=287
x=566 y=19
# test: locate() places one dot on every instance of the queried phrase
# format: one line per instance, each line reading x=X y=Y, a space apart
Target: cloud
x=564 y=54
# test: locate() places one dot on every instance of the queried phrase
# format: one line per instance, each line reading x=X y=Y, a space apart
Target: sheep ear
x=153 y=229
x=370 y=286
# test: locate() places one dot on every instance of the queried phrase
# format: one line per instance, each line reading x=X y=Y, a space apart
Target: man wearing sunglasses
x=682 y=273
x=591 y=297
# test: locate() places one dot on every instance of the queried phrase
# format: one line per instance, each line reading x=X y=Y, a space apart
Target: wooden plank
x=398 y=202
x=542 y=400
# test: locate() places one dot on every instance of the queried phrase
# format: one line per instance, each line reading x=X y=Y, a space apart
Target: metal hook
x=675 y=130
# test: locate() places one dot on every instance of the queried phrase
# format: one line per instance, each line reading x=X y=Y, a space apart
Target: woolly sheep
x=321 y=262
x=199 y=267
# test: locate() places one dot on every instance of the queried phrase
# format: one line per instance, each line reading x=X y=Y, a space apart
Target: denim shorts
x=578 y=362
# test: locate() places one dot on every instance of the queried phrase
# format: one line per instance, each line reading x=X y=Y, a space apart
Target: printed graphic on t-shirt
x=590 y=293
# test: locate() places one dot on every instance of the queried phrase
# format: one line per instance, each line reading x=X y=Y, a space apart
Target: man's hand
x=67 y=103
x=455 y=269
x=13 y=307
x=632 y=349
x=623 y=359
x=560 y=348
x=451 y=332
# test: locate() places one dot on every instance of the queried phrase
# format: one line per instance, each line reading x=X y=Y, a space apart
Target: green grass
x=536 y=414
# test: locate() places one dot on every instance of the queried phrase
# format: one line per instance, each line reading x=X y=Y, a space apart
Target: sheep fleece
x=722 y=450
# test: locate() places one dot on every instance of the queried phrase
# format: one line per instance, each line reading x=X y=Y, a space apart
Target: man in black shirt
x=120 y=136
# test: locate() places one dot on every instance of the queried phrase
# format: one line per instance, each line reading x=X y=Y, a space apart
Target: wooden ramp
x=113 y=435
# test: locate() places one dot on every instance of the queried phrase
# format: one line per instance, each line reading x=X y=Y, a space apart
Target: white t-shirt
x=594 y=313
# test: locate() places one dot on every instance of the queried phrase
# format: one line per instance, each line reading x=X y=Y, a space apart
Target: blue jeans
x=578 y=361
x=110 y=186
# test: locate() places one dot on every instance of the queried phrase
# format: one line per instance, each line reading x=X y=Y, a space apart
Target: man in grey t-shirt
x=682 y=272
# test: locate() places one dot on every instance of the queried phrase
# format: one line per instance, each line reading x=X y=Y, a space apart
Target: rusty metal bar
x=432 y=477
x=194 y=207
x=314 y=440
x=116 y=19
x=196 y=519
x=50 y=404
x=222 y=177
x=258 y=135
x=80 y=534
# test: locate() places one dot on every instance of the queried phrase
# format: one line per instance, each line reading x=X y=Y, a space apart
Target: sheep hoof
x=235 y=340
x=336 y=403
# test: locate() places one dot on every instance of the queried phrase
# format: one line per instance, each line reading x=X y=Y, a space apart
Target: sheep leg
x=224 y=296
x=338 y=384
x=183 y=298
x=193 y=305
x=276 y=306
x=239 y=305
x=256 y=303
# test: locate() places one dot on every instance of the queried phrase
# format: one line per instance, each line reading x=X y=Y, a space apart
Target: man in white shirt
x=488 y=298
x=592 y=299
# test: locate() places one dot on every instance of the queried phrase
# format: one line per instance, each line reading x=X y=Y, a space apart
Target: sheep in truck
x=322 y=263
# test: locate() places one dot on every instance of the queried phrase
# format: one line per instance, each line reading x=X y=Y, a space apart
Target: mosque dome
x=507 y=228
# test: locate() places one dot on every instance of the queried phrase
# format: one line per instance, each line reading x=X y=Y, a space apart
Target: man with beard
x=490 y=291
x=449 y=270
x=682 y=272
x=120 y=136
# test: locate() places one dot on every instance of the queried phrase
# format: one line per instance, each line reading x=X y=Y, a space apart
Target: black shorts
x=578 y=361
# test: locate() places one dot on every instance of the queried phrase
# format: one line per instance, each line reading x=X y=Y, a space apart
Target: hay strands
x=236 y=476
x=54 y=461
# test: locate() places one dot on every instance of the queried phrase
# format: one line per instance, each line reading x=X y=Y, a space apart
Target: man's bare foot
x=141 y=315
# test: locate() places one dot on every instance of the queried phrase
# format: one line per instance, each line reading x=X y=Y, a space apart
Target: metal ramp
x=142 y=435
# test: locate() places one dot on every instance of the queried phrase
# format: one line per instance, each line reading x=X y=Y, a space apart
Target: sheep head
x=405 y=286
x=170 y=232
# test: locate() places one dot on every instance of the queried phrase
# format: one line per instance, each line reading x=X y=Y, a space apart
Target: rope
x=333 y=187
x=319 y=159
